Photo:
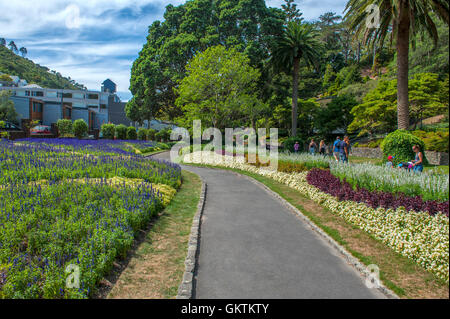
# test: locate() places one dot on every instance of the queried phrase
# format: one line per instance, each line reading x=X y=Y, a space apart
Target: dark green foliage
x=7 y=110
x=190 y=28
x=121 y=132
x=151 y=134
x=65 y=128
x=108 y=131
x=336 y=115
x=13 y=64
x=131 y=133
x=289 y=143
x=434 y=140
x=142 y=134
x=80 y=128
x=400 y=144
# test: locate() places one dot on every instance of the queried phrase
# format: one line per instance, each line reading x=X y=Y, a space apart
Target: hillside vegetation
x=33 y=73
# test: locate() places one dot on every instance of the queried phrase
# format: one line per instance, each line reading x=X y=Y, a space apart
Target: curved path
x=253 y=247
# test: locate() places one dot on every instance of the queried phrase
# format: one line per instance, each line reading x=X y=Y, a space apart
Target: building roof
x=32 y=86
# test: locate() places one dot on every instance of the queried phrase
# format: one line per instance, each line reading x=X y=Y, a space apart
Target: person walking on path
x=343 y=151
x=322 y=148
x=312 y=147
x=336 y=152
x=296 y=147
x=417 y=165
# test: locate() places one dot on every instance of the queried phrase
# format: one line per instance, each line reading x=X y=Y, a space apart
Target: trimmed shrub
x=65 y=128
x=400 y=144
x=108 y=131
x=151 y=134
x=288 y=144
x=121 y=132
x=131 y=133
x=142 y=134
x=80 y=128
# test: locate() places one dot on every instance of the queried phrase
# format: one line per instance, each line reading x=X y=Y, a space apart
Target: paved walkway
x=253 y=247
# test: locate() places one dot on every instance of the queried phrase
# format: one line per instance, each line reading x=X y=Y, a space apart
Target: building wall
x=22 y=106
x=52 y=113
x=80 y=114
x=116 y=112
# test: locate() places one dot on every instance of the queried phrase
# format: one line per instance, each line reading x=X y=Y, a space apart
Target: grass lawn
x=398 y=273
x=156 y=268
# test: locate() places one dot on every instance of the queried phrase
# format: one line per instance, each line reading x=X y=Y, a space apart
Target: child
x=296 y=147
x=390 y=161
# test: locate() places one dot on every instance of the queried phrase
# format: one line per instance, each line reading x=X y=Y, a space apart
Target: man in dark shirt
x=343 y=151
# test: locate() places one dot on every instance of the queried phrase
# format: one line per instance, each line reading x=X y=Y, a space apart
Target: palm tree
x=403 y=19
x=299 y=41
x=12 y=45
x=23 y=51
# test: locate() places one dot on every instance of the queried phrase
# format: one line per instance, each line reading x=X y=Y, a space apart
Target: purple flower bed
x=105 y=146
x=328 y=183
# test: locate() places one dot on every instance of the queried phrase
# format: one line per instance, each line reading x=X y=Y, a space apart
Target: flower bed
x=417 y=235
x=60 y=205
x=328 y=183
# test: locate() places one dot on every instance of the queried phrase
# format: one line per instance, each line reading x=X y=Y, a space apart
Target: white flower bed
x=416 y=235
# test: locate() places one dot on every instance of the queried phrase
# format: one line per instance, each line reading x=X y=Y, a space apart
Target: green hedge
x=65 y=128
x=400 y=144
x=142 y=134
x=108 y=131
x=121 y=132
x=131 y=133
x=80 y=128
x=151 y=134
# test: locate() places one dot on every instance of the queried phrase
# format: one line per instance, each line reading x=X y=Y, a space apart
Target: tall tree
x=23 y=51
x=292 y=13
x=219 y=89
x=298 y=42
x=191 y=28
x=2 y=42
x=12 y=45
x=405 y=18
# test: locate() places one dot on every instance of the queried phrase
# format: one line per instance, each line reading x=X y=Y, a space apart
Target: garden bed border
x=186 y=288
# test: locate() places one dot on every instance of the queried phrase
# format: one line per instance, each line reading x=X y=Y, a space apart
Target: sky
x=93 y=40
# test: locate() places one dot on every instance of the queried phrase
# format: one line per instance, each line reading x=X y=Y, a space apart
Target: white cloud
x=101 y=42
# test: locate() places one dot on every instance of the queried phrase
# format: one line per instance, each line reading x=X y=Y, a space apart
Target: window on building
x=37 y=107
x=93 y=96
x=93 y=106
x=37 y=93
x=68 y=113
x=103 y=106
x=52 y=94
x=67 y=95
x=27 y=93
x=78 y=96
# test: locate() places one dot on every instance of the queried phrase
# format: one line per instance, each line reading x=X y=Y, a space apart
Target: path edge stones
x=186 y=288
x=362 y=270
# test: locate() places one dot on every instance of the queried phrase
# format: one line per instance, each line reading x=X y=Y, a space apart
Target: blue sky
x=93 y=40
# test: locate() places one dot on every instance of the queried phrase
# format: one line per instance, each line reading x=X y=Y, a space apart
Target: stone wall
x=435 y=158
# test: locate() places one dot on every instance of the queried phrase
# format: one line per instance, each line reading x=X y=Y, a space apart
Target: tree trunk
x=402 y=65
x=295 y=96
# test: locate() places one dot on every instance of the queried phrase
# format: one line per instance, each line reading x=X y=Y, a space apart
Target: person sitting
x=417 y=163
x=390 y=162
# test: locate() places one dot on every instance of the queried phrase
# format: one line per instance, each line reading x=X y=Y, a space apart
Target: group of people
x=341 y=151
x=416 y=164
x=341 y=148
